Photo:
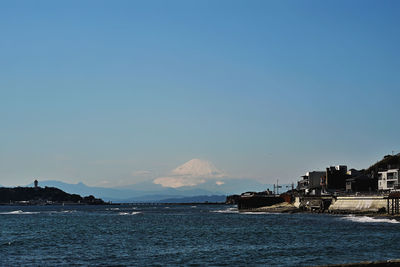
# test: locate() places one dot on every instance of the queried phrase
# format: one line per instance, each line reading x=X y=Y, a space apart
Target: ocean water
x=179 y=235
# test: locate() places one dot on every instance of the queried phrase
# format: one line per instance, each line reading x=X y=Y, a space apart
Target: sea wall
x=296 y=202
x=358 y=204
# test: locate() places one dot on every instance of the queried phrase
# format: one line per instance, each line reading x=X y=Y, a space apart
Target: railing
x=393 y=205
x=360 y=194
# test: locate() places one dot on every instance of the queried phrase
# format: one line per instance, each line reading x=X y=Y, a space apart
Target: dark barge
x=254 y=200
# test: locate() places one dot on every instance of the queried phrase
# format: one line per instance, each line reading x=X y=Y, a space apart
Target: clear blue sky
x=113 y=90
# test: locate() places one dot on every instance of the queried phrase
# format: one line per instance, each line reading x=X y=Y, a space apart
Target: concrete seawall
x=358 y=204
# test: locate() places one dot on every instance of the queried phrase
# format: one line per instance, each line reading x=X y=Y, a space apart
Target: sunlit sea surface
x=179 y=235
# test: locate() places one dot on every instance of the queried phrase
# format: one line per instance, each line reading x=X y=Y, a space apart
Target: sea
x=188 y=235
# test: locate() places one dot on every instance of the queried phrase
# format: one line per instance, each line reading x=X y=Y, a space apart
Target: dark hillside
x=46 y=194
x=388 y=162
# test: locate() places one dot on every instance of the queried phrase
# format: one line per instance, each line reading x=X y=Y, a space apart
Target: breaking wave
x=112 y=209
x=366 y=219
x=68 y=211
x=228 y=210
x=16 y=212
x=129 y=213
x=260 y=212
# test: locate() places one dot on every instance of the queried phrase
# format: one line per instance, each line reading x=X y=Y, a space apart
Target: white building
x=388 y=180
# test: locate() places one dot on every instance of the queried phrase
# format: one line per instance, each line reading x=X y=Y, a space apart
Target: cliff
x=39 y=195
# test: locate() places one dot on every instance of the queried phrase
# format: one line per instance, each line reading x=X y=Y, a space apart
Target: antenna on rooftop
x=291 y=186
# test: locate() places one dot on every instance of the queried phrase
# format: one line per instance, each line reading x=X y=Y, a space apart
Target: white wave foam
x=235 y=210
x=127 y=213
x=228 y=210
x=366 y=219
x=59 y=211
x=68 y=211
x=259 y=212
x=19 y=212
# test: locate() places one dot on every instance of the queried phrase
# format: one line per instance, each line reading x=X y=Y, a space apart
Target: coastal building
x=335 y=178
x=311 y=182
x=388 y=180
x=354 y=172
x=360 y=183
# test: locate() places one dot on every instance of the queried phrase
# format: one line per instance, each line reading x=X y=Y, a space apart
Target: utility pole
x=277 y=186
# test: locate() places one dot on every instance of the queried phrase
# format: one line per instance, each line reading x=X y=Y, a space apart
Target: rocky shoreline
x=285 y=207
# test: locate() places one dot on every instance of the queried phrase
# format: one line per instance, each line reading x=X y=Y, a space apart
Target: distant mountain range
x=195 y=199
x=194 y=178
x=150 y=192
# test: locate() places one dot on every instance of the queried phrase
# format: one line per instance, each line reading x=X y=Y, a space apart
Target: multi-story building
x=335 y=178
x=388 y=180
x=311 y=182
x=361 y=183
